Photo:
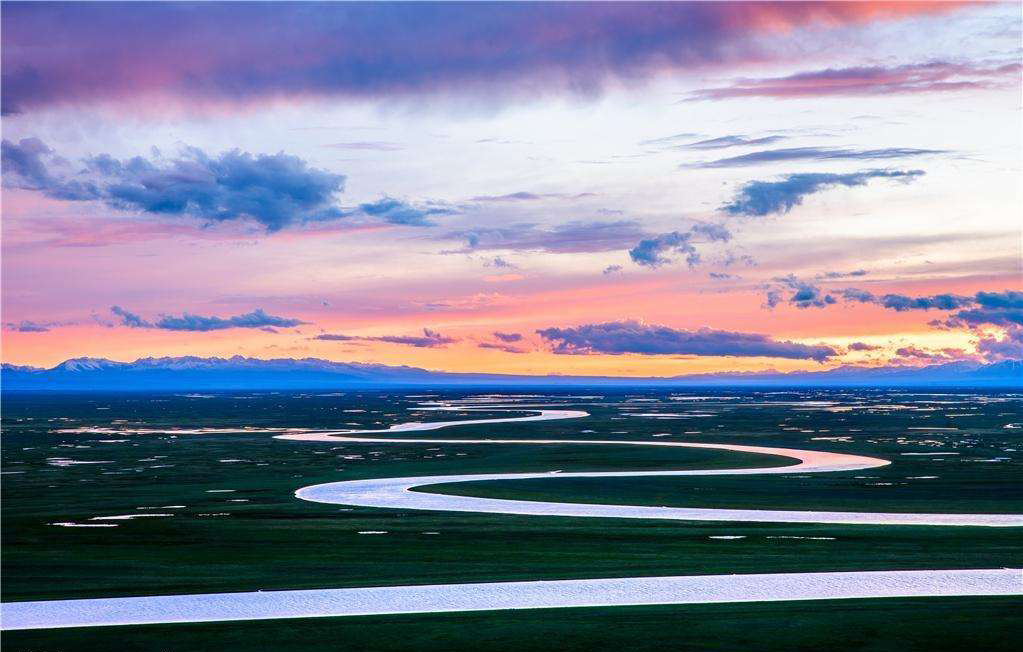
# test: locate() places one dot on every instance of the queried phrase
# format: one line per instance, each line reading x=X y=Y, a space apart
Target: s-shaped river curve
x=398 y=493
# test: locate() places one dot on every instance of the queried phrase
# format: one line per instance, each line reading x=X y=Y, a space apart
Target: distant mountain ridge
x=242 y=373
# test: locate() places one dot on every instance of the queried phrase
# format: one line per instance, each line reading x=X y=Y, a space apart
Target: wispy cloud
x=670 y=141
x=760 y=198
x=570 y=237
x=29 y=326
x=525 y=196
x=930 y=77
x=723 y=142
x=397 y=211
x=814 y=154
x=373 y=146
x=198 y=323
x=508 y=337
x=834 y=275
x=501 y=346
x=430 y=339
x=914 y=354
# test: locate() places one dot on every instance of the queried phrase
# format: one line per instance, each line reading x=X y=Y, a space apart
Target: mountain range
x=241 y=373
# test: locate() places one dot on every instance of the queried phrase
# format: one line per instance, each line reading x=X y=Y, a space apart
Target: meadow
x=213 y=509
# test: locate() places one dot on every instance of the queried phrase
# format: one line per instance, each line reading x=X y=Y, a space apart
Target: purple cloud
x=571 y=237
x=1009 y=347
x=856 y=294
x=508 y=337
x=731 y=141
x=430 y=339
x=831 y=275
x=814 y=154
x=616 y=338
x=29 y=326
x=510 y=197
x=902 y=303
x=499 y=346
x=916 y=354
x=934 y=76
x=863 y=346
x=206 y=52
x=994 y=308
x=197 y=323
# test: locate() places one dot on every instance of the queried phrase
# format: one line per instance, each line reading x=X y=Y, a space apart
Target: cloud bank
x=197 y=323
x=205 y=52
x=616 y=338
x=277 y=191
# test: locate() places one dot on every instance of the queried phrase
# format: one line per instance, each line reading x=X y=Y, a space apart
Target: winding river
x=402 y=493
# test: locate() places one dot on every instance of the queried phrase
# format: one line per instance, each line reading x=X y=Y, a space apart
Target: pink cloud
x=242 y=53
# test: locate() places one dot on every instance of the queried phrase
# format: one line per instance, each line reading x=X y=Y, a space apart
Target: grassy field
x=924 y=625
x=237 y=526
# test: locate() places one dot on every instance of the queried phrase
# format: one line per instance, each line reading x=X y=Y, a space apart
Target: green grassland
x=920 y=625
x=258 y=536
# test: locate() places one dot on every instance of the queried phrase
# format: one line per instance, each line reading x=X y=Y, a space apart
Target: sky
x=579 y=188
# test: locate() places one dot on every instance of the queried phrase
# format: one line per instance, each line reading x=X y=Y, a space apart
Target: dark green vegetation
x=924 y=625
x=259 y=536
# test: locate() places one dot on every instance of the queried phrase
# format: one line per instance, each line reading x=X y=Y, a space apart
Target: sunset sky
x=622 y=189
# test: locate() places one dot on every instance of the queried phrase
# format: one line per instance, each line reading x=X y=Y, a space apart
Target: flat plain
x=210 y=493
